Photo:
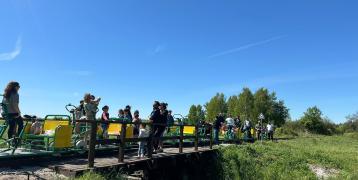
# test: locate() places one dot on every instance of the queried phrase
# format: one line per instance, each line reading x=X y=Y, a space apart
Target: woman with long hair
x=11 y=100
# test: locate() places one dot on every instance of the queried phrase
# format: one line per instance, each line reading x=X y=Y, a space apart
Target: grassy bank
x=291 y=159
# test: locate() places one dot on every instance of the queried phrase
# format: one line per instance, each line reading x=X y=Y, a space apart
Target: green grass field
x=291 y=159
x=287 y=159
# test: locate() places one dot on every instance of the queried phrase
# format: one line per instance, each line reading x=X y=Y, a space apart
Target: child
x=105 y=118
x=120 y=114
x=143 y=132
x=136 y=121
x=127 y=116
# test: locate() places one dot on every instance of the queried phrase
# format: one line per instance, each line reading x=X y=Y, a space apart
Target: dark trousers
x=216 y=136
x=156 y=132
x=14 y=119
x=270 y=135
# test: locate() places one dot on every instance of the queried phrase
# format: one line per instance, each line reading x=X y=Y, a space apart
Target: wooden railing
x=123 y=140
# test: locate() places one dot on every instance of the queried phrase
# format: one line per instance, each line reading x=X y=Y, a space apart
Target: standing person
x=163 y=121
x=105 y=118
x=247 y=128
x=238 y=122
x=11 y=99
x=229 y=123
x=217 y=125
x=136 y=120
x=258 y=129
x=156 y=129
x=127 y=115
x=128 y=107
x=142 y=133
x=91 y=106
x=270 y=130
x=120 y=114
x=170 y=120
x=80 y=110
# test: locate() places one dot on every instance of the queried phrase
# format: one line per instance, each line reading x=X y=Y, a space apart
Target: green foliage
x=291 y=159
x=279 y=113
x=196 y=113
x=262 y=104
x=313 y=121
x=232 y=106
x=216 y=105
x=351 y=125
x=290 y=129
x=245 y=104
x=249 y=106
x=91 y=176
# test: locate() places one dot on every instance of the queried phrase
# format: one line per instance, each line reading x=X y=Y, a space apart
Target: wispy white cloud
x=158 y=49
x=8 y=56
x=247 y=46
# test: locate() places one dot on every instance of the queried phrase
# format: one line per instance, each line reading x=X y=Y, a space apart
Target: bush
x=314 y=123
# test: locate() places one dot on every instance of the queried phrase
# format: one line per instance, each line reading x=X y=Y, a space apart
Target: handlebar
x=70 y=105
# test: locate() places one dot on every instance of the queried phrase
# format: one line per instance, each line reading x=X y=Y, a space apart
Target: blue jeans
x=141 y=149
x=216 y=136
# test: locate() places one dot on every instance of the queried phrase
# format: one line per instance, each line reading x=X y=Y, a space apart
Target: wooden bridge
x=128 y=159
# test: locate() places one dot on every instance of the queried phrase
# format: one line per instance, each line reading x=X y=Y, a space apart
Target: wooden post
x=150 y=142
x=181 y=138
x=196 y=142
x=122 y=143
x=211 y=137
x=92 y=144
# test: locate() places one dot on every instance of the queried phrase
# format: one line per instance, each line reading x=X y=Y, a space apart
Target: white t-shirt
x=229 y=121
x=269 y=127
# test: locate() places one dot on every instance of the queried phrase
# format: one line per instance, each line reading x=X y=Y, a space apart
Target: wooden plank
x=79 y=166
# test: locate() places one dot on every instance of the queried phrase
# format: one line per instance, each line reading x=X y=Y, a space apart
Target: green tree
x=196 y=114
x=262 y=104
x=313 y=121
x=245 y=104
x=232 y=106
x=351 y=125
x=216 y=105
x=200 y=112
x=192 y=116
x=279 y=113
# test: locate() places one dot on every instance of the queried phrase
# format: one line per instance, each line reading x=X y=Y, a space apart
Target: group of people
x=262 y=130
x=231 y=124
x=160 y=117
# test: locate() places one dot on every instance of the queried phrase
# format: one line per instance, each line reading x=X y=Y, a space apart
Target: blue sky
x=181 y=52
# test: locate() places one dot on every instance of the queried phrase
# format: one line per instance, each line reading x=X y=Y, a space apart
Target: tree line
x=246 y=104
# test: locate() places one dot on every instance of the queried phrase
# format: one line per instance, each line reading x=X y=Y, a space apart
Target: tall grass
x=291 y=159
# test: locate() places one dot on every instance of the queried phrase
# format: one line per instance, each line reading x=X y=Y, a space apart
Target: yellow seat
x=62 y=138
x=189 y=130
x=56 y=131
x=51 y=125
x=115 y=129
x=27 y=128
